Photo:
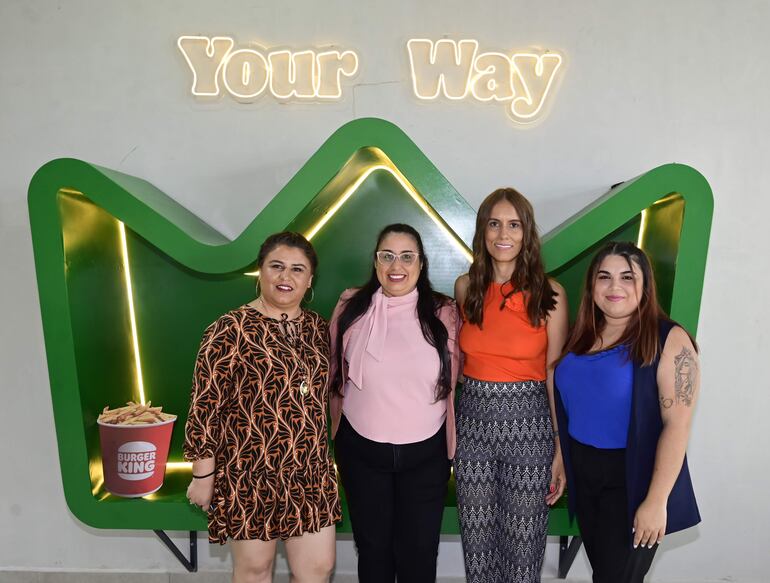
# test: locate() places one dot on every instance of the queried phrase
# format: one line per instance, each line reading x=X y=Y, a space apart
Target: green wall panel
x=184 y=275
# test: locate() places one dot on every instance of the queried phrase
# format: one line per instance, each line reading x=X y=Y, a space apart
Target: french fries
x=134 y=414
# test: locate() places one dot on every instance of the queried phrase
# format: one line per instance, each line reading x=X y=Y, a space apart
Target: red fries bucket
x=134 y=457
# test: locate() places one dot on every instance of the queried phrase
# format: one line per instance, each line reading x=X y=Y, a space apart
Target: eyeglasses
x=387 y=258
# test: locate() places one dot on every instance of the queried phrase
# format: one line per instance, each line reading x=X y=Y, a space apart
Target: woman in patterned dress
x=508 y=463
x=256 y=431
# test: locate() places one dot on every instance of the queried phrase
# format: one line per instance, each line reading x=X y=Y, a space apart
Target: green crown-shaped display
x=128 y=280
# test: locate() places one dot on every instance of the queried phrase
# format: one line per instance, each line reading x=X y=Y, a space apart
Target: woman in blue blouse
x=626 y=388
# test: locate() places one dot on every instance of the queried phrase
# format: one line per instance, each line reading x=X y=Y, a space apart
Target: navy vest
x=643 y=433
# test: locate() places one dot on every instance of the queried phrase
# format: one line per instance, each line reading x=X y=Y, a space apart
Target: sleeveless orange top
x=507 y=348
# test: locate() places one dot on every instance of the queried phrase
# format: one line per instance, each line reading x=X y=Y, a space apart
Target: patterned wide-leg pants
x=503 y=469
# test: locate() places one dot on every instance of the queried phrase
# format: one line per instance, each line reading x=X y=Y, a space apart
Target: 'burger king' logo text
x=136 y=460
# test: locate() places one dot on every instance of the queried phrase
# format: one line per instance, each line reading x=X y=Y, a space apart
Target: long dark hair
x=429 y=302
x=528 y=275
x=641 y=334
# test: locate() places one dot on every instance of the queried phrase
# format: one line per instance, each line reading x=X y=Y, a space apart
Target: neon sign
x=247 y=72
x=455 y=70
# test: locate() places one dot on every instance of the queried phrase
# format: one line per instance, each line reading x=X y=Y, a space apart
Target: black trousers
x=395 y=497
x=601 y=507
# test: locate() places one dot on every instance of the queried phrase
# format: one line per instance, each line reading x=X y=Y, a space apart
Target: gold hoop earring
x=258 y=288
x=312 y=296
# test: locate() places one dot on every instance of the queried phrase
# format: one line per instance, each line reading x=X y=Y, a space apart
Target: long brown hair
x=528 y=275
x=641 y=334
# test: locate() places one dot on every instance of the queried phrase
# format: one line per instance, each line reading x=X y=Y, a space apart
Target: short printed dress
x=266 y=429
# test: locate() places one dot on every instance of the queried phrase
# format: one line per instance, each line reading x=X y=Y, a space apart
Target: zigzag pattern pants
x=503 y=469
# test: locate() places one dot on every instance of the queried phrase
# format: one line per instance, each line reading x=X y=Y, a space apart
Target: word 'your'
x=246 y=73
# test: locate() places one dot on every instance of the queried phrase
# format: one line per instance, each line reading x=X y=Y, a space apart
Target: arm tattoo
x=685 y=369
x=666 y=403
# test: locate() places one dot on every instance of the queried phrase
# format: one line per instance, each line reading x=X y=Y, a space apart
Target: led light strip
x=131 y=312
x=459 y=245
x=342 y=200
x=642 y=229
x=350 y=190
x=406 y=186
x=97 y=486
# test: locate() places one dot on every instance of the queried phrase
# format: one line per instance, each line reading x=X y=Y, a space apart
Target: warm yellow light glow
x=537 y=74
x=350 y=190
x=491 y=80
x=406 y=185
x=131 y=312
x=297 y=76
x=456 y=69
x=332 y=66
x=642 y=229
x=209 y=56
x=178 y=466
x=441 y=67
x=96 y=474
x=97 y=486
x=247 y=72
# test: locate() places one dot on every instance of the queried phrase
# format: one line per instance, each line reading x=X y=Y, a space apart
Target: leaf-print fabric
x=274 y=474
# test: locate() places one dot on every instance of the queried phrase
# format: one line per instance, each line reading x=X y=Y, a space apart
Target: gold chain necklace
x=292 y=334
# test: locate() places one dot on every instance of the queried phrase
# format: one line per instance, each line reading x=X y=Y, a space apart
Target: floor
x=51 y=577
x=210 y=577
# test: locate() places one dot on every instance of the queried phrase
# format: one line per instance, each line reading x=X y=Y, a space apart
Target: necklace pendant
x=303 y=388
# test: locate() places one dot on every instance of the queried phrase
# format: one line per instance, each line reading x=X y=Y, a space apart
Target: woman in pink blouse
x=394 y=368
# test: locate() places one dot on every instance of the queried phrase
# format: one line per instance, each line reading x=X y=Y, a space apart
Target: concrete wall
x=645 y=84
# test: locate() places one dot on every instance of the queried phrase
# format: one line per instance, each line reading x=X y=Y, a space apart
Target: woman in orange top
x=508 y=463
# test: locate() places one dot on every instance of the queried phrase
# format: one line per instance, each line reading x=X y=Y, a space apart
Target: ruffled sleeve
x=211 y=382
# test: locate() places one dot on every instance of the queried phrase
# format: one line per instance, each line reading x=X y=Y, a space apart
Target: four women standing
x=627 y=381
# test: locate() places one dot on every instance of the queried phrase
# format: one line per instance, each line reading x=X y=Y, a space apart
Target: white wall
x=645 y=84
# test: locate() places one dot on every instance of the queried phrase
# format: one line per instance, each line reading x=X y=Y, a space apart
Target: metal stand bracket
x=568 y=549
x=192 y=564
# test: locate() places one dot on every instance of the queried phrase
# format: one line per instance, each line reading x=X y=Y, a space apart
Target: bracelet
x=556 y=434
x=211 y=473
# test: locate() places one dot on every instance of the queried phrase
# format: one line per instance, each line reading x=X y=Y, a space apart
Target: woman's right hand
x=558 y=479
x=200 y=491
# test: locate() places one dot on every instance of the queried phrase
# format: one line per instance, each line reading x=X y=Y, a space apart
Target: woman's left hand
x=558 y=479
x=649 y=523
